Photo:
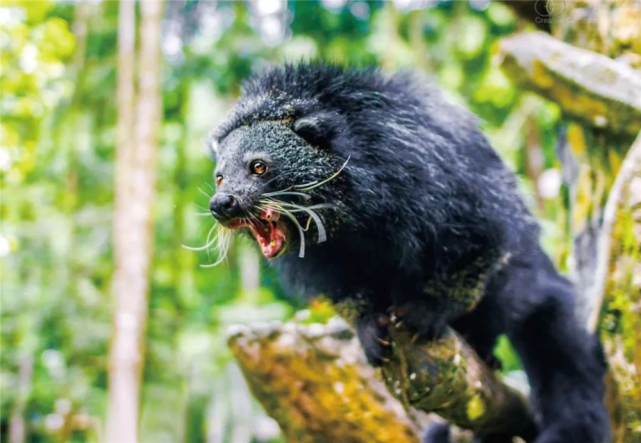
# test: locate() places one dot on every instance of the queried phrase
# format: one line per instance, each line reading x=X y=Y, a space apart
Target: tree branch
x=447 y=377
x=620 y=193
x=315 y=382
x=588 y=86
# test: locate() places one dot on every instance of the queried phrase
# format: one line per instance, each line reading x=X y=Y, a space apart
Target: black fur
x=428 y=220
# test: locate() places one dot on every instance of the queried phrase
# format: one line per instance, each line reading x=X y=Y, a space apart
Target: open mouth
x=267 y=230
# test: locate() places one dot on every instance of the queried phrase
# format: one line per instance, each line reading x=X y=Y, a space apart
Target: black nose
x=224 y=206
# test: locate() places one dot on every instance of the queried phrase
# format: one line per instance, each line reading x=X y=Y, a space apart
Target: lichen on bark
x=588 y=86
x=314 y=380
x=446 y=376
x=620 y=315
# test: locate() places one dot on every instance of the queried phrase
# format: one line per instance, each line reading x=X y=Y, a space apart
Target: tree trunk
x=17 y=425
x=133 y=221
x=602 y=97
x=619 y=272
x=612 y=231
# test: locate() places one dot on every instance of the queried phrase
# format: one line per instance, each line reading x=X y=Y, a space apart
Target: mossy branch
x=624 y=192
x=447 y=377
x=315 y=382
x=591 y=87
x=618 y=288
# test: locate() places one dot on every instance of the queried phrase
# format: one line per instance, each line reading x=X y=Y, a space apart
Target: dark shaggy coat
x=427 y=220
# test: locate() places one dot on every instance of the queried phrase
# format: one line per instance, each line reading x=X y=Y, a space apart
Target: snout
x=224 y=206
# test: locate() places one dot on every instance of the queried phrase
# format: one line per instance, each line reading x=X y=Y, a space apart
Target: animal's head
x=276 y=174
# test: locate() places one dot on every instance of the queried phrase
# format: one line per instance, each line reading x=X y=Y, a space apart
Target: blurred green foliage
x=58 y=136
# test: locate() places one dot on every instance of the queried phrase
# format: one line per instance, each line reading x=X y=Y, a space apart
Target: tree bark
x=602 y=97
x=17 y=424
x=448 y=378
x=315 y=382
x=590 y=87
x=619 y=281
x=611 y=27
x=133 y=221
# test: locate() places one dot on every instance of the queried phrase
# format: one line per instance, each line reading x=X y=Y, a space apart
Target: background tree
x=135 y=182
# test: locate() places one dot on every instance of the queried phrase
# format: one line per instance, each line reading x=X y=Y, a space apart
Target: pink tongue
x=275 y=242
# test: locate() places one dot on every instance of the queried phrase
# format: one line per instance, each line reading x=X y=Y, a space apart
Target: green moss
x=587 y=85
x=475 y=407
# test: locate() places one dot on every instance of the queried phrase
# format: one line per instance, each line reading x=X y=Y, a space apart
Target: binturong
x=378 y=193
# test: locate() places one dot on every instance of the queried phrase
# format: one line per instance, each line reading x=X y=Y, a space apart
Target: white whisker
x=316 y=184
x=206 y=245
x=220 y=243
x=293 y=193
x=204 y=193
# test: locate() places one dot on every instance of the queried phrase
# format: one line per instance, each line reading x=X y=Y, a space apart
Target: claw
x=384 y=342
x=415 y=338
x=398 y=325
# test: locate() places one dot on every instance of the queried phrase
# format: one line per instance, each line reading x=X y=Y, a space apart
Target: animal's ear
x=318 y=128
x=211 y=146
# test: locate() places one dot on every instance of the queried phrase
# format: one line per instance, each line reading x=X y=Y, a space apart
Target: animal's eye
x=219 y=180
x=258 y=167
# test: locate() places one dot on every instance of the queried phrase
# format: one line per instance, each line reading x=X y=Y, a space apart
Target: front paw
x=424 y=324
x=374 y=336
